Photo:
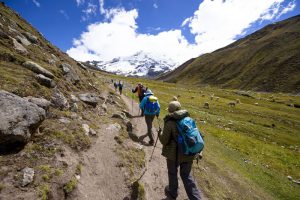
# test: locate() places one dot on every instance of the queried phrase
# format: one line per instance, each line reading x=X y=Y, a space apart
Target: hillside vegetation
x=267 y=60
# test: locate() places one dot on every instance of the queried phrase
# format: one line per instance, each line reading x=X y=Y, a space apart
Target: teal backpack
x=190 y=141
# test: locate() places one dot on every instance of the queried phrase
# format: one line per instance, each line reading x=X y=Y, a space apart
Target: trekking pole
x=158 y=133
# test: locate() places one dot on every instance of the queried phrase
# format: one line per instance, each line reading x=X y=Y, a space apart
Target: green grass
x=250 y=158
x=43 y=191
x=71 y=185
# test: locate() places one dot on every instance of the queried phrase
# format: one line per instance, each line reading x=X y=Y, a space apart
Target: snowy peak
x=139 y=64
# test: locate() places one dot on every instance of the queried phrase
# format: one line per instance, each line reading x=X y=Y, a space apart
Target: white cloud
x=215 y=24
x=36 y=3
x=155 y=5
x=80 y=2
x=64 y=13
x=290 y=7
x=91 y=10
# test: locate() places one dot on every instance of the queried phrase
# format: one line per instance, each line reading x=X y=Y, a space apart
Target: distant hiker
x=140 y=89
x=116 y=86
x=151 y=108
x=120 y=85
x=173 y=153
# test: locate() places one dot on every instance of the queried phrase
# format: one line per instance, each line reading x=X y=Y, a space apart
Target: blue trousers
x=185 y=174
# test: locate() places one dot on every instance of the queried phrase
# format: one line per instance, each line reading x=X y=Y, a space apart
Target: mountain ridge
x=251 y=63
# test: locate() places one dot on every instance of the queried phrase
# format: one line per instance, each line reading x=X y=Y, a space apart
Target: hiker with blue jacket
x=175 y=159
x=151 y=108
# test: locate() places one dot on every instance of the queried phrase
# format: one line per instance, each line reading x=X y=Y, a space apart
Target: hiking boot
x=167 y=193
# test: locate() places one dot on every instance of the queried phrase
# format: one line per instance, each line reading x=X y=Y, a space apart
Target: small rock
x=297 y=182
x=64 y=120
x=77 y=177
x=19 y=47
x=290 y=178
x=92 y=132
x=104 y=107
x=65 y=68
x=86 y=129
x=114 y=127
x=89 y=98
x=28 y=174
x=23 y=40
x=59 y=100
x=227 y=129
x=37 y=69
x=82 y=66
x=74 y=107
x=31 y=37
x=43 y=80
x=74 y=99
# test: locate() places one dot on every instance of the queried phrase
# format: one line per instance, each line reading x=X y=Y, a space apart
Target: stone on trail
x=86 y=129
x=43 y=80
x=89 y=98
x=37 y=69
x=19 y=118
x=65 y=68
x=28 y=175
x=114 y=127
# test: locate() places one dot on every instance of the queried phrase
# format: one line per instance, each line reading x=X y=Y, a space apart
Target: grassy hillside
x=250 y=149
x=267 y=60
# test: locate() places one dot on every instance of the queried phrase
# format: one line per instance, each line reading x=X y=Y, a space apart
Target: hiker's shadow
x=139 y=139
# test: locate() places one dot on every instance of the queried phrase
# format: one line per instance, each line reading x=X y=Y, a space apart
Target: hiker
x=116 y=86
x=175 y=159
x=120 y=85
x=151 y=108
x=140 y=89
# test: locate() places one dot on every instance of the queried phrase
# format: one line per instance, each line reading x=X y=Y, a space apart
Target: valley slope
x=267 y=60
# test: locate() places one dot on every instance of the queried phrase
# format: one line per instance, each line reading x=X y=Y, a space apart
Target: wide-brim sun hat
x=174 y=106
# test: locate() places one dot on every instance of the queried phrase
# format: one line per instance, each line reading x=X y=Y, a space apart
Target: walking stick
x=158 y=133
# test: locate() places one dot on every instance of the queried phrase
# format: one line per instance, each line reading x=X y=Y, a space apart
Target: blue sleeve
x=143 y=103
x=158 y=110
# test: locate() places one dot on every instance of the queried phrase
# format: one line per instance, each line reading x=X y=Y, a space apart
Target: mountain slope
x=139 y=64
x=267 y=60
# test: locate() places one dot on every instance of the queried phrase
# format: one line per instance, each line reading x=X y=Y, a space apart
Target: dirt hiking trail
x=155 y=179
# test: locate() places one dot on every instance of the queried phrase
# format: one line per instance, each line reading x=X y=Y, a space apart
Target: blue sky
x=173 y=29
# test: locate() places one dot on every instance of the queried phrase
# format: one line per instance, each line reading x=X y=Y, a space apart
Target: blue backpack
x=190 y=140
x=152 y=105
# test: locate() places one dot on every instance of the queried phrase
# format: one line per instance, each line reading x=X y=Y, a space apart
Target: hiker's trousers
x=185 y=174
x=149 y=121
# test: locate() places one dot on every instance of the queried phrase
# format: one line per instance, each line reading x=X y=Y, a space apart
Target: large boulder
x=37 y=69
x=89 y=98
x=19 y=119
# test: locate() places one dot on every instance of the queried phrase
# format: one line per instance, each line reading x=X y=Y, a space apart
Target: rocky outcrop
x=89 y=98
x=23 y=40
x=37 y=69
x=19 y=118
x=59 y=100
x=43 y=80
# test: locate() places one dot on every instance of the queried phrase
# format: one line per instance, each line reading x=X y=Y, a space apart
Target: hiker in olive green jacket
x=174 y=159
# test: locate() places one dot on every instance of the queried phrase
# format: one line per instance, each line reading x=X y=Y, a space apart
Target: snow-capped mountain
x=140 y=64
